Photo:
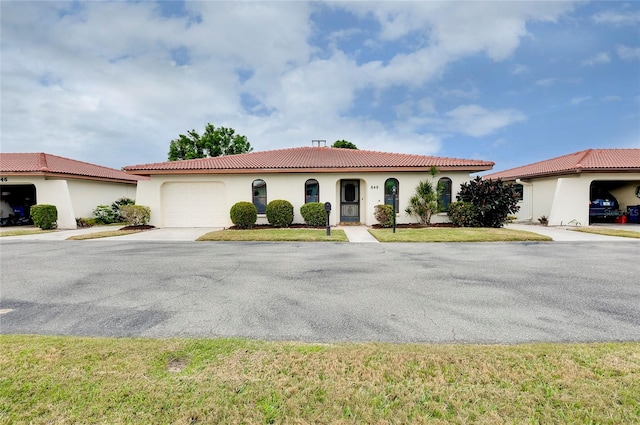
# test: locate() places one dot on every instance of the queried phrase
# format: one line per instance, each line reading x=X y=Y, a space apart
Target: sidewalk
x=565 y=234
x=358 y=234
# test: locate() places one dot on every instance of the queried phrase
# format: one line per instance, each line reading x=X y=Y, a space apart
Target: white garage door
x=194 y=204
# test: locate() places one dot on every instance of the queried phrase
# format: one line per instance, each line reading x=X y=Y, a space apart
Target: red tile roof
x=46 y=164
x=311 y=159
x=590 y=160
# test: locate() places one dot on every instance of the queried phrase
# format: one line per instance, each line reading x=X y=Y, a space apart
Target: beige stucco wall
x=291 y=187
x=565 y=199
x=73 y=198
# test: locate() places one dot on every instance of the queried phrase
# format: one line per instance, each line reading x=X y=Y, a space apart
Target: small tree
x=344 y=145
x=424 y=203
x=213 y=142
x=492 y=199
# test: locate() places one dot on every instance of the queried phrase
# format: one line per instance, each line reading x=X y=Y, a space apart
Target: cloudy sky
x=113 y=83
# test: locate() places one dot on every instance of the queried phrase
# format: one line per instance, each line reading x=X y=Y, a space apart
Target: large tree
x=213 y=142
x=344 y=145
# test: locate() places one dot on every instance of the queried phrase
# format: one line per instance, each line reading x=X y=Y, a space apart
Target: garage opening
x=15 y=204
x=614 y=201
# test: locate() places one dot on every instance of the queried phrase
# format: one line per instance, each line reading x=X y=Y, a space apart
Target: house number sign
x=4 y=179
x=374 y=187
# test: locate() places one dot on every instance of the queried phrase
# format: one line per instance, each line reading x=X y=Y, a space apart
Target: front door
x=350 y=201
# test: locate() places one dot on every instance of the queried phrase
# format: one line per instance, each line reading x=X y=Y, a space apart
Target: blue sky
x=113 y=83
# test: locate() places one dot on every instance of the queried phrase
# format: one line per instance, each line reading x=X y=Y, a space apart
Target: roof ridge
x=587 y=153
x=42 y=162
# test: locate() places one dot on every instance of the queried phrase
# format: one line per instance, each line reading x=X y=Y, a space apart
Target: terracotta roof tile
x=593 y=160
x=43 y=163
x=311 y=158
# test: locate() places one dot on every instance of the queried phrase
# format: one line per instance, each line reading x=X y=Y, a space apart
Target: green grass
x=47 y=380
x=12 y=231
x=609 y=232
x=455 y=234
x=276 y=235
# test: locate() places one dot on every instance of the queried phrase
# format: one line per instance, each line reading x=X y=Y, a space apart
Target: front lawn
x=59 y=380
x=16 y=231
x=276 y=235
x=456 y=234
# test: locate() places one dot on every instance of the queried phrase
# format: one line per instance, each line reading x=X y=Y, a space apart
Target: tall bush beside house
x=280 y=213
x=135 y=215
x=493 y=200
x=104 y=214
x=244 y=215
x=383 y=213
x=314 y=214
x=44 y=216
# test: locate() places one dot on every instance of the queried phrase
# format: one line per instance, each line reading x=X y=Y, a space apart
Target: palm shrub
x=135 y=215
x=383 y=213
x=280 y=213
x=115 y=207
x=493 y=200
x=314 y=214
x=424 y=203
x=44 y=216
x=244 y=214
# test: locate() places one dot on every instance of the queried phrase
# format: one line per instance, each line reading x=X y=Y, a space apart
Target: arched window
x=388 y=193
x=444 y=192
x=311 y=191
x=259 y=190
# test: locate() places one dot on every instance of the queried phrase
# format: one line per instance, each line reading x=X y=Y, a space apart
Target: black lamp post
x=394 y=191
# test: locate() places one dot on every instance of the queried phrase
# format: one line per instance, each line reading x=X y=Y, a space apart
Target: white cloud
x=617 y=18
x=477 y=121
x=519 y=69
x=628 y=53
x=579 y=100
x=597 y=59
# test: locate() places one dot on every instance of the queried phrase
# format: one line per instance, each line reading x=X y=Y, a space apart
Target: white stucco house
x=74 y=187
x=578 y=188
x=201 y=192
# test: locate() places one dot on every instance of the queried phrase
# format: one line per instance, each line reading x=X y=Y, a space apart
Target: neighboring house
x=74 y=187
x=579 y=188
x=200 y=192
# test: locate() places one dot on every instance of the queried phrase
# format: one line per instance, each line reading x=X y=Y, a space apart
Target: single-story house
x=75 y=188
x=578 y=188
x=201 y=192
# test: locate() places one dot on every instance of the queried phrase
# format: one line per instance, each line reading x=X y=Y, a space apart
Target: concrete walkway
x=358 y=234
x=567 y=234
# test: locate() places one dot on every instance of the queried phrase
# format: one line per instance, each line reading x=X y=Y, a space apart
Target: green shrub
x=384 y=214
x=44 y=216
x=494 y=200
x=135 y=215
x=103 y=214
x=115 y=207
x=464 y=214
x=280 y=213
x=244 y=214
x=314 y=214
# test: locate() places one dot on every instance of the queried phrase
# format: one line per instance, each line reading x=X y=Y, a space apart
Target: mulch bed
x=139 y=227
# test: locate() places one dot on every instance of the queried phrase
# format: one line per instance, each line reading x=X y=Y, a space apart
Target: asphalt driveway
x=458 y=292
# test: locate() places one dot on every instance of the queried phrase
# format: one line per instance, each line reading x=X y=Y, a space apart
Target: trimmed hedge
x=314 y=214
x=244 y=214
x=44 y=216
x=384 y=214
x=135 y=215
x=280 y=213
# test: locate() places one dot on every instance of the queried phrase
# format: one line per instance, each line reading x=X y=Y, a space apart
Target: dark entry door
x=350 y=201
